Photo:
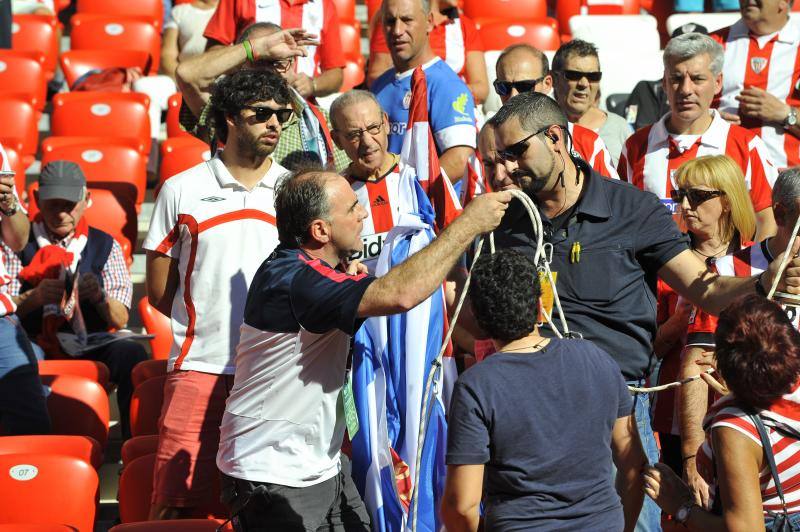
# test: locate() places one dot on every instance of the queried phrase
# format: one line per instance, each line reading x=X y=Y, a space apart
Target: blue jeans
x=650 y=516
x=794 y=519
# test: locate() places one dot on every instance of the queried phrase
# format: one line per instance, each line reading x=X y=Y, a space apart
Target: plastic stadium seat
x=181 y=153
x=351 y=40
x=20 y=122
x=542 y=35
x=152 y=9
x=106 y=164
x=146 y=406
x=91 y=369
x=147 y=369
x=116 y=32
x=103 y=114
x=35 y=527
x=35 y=33
x=81 y=447
x=712 y=21
x=77 y=406
x=138 y=446
x=346 y=9
x=43 y=488
x=612 y=33
x=76 y=63
x=22 y=77
x=159 y=325
x=483 y=11
x=566 y=9
x=373 y=6
x=353 y=74
x=174 y=128
x=183 y=525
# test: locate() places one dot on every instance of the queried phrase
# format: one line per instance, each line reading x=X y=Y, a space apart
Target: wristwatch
x=682 y=515
x=11 y=211
x=791 y=118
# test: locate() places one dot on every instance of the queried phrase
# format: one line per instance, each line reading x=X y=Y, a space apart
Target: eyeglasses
x=263 y=114
x=503 y=88
x=518 y=149
x=695 y=196
x=355 y=134
x=576 y=75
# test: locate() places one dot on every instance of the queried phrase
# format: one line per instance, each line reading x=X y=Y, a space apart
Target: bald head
x=520 y=63
x=349 y=99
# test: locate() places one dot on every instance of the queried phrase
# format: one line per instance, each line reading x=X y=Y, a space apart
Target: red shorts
x=186 y=472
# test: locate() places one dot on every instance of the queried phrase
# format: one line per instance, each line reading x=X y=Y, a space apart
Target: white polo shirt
x=220 y=233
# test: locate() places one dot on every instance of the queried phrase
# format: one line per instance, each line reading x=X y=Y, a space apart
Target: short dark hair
x=531 y=50
x=504 y=293
x=534 y=111
x=300 y=198
x=757 y=350
x=230 y=94
x=256 y=26
x=573 y=47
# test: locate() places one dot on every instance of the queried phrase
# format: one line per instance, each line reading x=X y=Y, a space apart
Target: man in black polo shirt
x=610 y=242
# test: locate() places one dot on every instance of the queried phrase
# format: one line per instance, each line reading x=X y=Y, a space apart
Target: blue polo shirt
x=626 y=235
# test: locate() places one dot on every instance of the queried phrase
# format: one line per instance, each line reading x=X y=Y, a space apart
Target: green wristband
x=248 y=49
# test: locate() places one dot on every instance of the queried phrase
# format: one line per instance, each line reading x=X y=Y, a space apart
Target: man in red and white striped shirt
x=521 y=68
x=761 y=77
x=650 y=157
x=317 y=74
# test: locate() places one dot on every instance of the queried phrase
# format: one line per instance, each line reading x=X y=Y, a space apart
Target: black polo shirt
x=608 y=295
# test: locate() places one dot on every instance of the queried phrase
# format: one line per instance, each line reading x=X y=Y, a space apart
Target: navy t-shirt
x=541 y=423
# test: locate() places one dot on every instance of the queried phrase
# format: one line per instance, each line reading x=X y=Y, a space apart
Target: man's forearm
x=196 y=75
x=15 y=230
x=765 y=224
x=454 y=162
x=113 y=312
x=328 y=82
x=723 y=290
x=458 y=522
x=26 y=303
x=692 y=406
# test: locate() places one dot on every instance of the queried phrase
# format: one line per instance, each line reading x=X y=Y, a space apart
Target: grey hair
x=689 y=45
x=267 y=27
x=533 y=110
x=300 y=198
x=426 y=5
x=524 y=47
x=351 y=97
x=787 y=190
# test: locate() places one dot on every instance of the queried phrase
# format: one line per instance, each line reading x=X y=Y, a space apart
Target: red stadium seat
x=135 y=489
x=77 y=406
x=146 y=406
x=183 y=525
x=22 y=77
x=353 y=74
x=373 y=6
x=483 y=11
x=174 y=128
x=351 y=40
x=36 y=33
x=76 y=63
x=542 y=34
x=152 y=9
x=566 y=9
x=159 y=325
x=179 y=154
x=35 y=527
x=20 y=128
x=81 y=447
x=346 y=9
x=91 y=369
x=103 y=114
x=44 y=488
x=138 y=446
x=116 y=32
x=147 y=369
x=16 y=165
x=105 y=164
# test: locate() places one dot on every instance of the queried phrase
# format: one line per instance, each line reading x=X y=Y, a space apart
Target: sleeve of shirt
x=762 y=174
x=658 y=239
x=164 y=230
x=623 y=166
x=601 y=159
x=467 y=428
x=117 y=282
x=12 y=266
x=222 y=26
x=452 y=114
x=330 y=40
x=172 y=20
x=700 y=331
x=625 y=400
x=323 y=298
x=472 y=39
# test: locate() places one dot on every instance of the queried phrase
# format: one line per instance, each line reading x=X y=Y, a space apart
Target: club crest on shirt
x=407 y=100
x=758 y=64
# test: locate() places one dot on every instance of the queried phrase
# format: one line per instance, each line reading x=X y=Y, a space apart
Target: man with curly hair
x=212 y=227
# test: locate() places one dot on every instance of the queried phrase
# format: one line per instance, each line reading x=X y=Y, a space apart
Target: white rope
x=667 y=386
x=787 y=255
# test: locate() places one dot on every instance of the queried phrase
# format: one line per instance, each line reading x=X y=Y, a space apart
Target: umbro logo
x=213 y=199
x=379 y=202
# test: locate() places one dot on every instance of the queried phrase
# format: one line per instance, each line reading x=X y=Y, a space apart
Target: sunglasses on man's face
x=695 y=196
x=263 y=114
x=503 y=88
x=576 y=75
x=515 y=151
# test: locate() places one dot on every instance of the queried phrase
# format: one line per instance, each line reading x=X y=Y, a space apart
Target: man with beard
x=610 y=241
x=213 y=225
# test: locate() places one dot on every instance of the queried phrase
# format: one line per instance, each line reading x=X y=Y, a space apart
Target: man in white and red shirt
x=213 y=226
x=523 y=68
x=761 y=77
x=317 y=74
x=650 y=157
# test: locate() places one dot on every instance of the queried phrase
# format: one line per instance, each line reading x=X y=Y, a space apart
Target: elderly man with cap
x=63 y=246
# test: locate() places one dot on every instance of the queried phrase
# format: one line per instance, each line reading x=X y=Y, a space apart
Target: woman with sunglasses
x=716 y=212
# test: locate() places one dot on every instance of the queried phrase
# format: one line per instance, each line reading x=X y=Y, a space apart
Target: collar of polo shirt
x=224 y=177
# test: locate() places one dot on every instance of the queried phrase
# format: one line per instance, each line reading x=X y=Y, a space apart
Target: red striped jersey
x=784 y=413
x=315 y=16
x=219 y=233
x=652 y=155
x=7 y=306
x=591 y=148
x=451 y=40
x=769 y=62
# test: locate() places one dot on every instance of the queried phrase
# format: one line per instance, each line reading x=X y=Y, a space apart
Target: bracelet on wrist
x=248 y=50
x=11 y=211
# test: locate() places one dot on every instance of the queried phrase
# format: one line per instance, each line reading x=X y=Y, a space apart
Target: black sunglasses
x=695 y=196
x=575 y=75
x=263 y=114
x=503 y=88
x=518 y=149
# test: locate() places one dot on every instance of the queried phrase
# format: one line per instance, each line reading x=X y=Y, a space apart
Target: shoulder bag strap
x=762 y=432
